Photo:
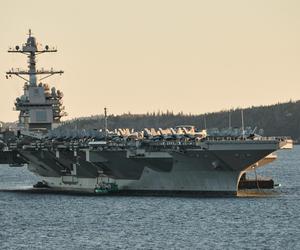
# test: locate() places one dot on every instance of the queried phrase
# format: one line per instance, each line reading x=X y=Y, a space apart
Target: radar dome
x=23 y=98
x=31 y=41
x=53 y=91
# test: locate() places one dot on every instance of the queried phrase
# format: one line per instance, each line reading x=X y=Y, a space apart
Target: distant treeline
x=282 y=119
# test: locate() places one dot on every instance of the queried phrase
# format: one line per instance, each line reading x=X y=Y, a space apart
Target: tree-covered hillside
x=282 y=119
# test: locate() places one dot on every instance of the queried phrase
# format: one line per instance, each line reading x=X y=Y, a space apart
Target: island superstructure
x=179 y=160
x=40 y=108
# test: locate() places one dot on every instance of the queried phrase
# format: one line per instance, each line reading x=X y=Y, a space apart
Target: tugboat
x=106 y=187
x=41 y=184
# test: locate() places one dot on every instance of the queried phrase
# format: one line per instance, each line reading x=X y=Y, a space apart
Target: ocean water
x=49 y=221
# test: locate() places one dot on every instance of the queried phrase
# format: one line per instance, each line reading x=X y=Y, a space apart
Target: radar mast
x=31 y=48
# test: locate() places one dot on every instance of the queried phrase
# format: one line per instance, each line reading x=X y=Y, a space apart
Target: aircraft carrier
x=180 y=160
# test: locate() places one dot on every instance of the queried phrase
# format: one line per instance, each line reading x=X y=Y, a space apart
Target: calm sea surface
x=49 y=221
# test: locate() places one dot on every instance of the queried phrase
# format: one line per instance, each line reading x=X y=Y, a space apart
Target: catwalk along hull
x=214 y=167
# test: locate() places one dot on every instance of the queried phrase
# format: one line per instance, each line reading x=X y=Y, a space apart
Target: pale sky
x=138 y=56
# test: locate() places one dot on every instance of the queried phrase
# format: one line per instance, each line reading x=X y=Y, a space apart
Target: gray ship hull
x=215 y=168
